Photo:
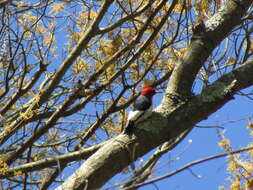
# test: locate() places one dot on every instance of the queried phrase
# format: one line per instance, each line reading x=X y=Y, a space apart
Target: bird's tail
x=129 y=128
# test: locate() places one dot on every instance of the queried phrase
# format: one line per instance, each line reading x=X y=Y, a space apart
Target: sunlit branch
x=49 y=162
x=43 y=96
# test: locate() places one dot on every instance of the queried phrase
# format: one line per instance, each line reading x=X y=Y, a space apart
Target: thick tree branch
x=97 y=169
x=159 y=128
x=206 y=36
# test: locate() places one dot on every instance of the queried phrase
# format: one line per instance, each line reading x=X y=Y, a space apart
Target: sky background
x=201 y=143
x=204 y=143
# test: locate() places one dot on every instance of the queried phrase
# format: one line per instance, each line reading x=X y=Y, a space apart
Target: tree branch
x=187 y=166
x=160 y=127
x=45 y=93
x=49 y=162
x=206 y=36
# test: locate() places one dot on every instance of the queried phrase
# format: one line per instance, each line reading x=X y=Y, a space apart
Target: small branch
x=124 y=19
x=49 y=162
x=209 y=127
x=187 y=166
x=20 y=92
x=44 y=94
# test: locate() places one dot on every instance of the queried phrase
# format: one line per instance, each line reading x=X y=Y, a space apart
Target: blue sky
x=205 y=143
x=204 y=140
x=201 y=143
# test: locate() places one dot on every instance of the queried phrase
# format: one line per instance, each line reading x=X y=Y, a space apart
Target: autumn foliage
x=71 y=69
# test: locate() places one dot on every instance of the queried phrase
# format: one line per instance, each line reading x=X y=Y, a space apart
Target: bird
x=141 y=109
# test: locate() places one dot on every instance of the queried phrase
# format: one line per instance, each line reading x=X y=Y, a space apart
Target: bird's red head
x=148 y=91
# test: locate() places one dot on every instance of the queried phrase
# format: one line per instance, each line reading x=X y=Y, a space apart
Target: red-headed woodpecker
x=141 y=109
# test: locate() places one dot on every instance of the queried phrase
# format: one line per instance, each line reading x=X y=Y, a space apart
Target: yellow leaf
x=182 y=6
x=21 y=4
x=232 y=167
x=57 y=8
x=235 y=185
x=29 y=17
x=75 y=36
x=28 y=34
x=51 y=24
x=18 y=173
x=250 y=125
x=53 y=49
x=26 y=17
x=178 y=53
x=80 y=66
x=88 y=15
x=49 y=40
x=224 y=143
x=41 y=29
x=83 y=15
x=231 y=60
x=93 y=14
x=109 y=46
x=171 y=64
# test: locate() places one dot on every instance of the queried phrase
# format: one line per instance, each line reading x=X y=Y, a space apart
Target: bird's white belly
x=139 y=115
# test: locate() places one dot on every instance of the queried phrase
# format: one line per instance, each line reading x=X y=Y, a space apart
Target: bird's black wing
x=129 y=128
x=142 y=103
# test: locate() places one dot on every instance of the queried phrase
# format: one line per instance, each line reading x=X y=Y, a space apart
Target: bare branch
x=191 y=164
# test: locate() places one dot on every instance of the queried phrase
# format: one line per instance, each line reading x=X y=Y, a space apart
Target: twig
x=187 y=166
